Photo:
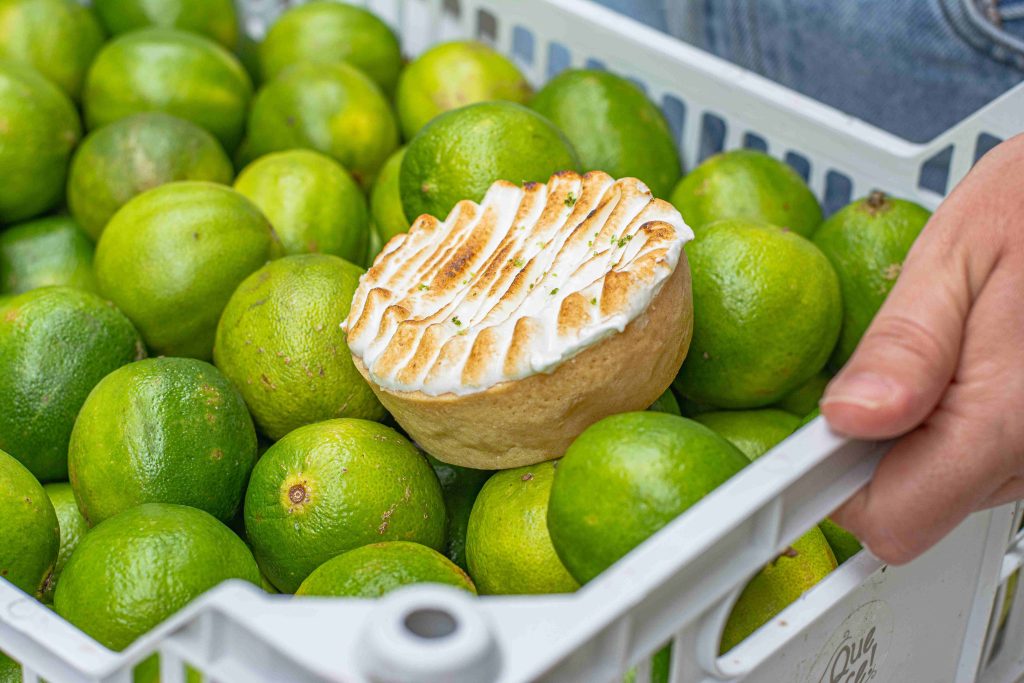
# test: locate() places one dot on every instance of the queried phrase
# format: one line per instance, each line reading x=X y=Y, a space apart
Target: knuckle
x=893 y=332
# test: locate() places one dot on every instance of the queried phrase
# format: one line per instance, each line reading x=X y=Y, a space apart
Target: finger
x=922 y=488
x=961 y=457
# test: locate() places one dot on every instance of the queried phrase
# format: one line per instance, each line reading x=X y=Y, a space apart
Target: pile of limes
x=185 y=217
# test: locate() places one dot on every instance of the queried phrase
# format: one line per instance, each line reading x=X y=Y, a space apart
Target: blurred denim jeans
x=912 y=67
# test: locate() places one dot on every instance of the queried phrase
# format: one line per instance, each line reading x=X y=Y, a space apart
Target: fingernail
x=865 y=390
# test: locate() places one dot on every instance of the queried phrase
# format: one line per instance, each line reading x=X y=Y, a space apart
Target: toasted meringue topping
x=513 y=286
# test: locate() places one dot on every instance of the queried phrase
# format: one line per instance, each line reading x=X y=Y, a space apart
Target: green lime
x=329 y=487
x=452 y=75
x=58 y=38
x=805 y=397
x=666 y=403
x=45 y=252
x=176 y=72
x=750 y=185
x=72 y=527
x=867 y=242
x=781 y=582
x=172 y=257
x=135 y=570
x=324 y=32
x=10 y=670
x=40 y=128
x=809 y=417
x=461 y=153
x=508 y=547
x=460 y=486
x=627 y=476
x=374 y=245
x=56 y=344
x=386 y=200
x=844 y=544
x=379 y=568
x=754 y=432
x=280 y=342
x=661 y=664
x=691 y=408
x=29 y=535
x=162 y=430
x=613 y=126
x=332 y=108
x=767 y=312
x=312 y=202
x=135 y=154
x=215 y=19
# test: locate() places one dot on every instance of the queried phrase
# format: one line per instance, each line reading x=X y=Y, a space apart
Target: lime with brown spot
x=461 y=153
x=312 y=202
x=133 y=571
x=747 y=184
x=867 y=242
x=46 y=252
x=624 y=478
x=335 y=109
x=215 y=19
x=460 y=486
x=613 y=126
x=325 y=32
x=782 y=581
x=172 y=257
x=386 y=200
x=280 y=342
x=72 y=528
x=39 y=128
x=172 y=71
x=56 y=344
x=767 y=312
x=135 y=154
x=329 y=487
x=29 y=535
x=453 y=75
x=377 y=569
x=754 y=432
x=58 y=38
x=162 y=430
x=508 y=547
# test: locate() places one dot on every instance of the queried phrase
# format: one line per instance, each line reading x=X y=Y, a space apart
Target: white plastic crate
x=935 y=620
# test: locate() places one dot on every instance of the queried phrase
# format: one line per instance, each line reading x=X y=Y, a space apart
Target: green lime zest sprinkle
x=456 y=321
x=423 y=287
x=570 y=199
x=554 y=291
x=519 y=263
x=593 y=302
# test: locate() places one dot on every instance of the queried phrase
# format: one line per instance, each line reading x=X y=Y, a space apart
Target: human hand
x=942 y=368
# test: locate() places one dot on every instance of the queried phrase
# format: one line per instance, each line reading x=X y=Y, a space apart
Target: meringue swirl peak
x=512 y=286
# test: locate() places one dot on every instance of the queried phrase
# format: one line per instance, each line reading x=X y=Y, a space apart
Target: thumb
x=908 y=356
